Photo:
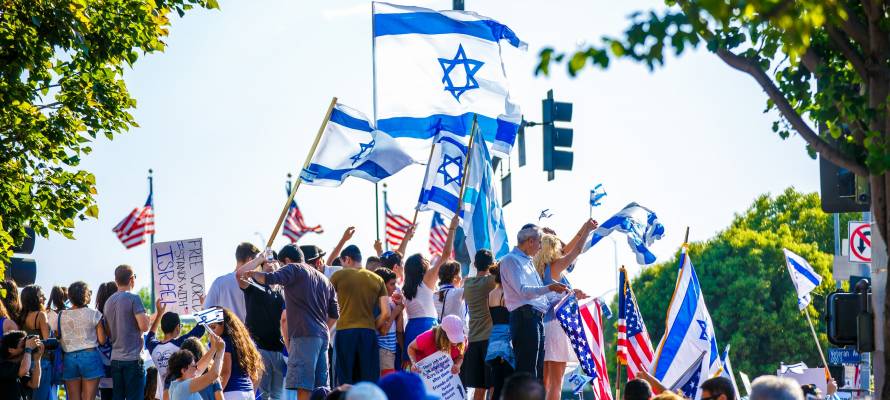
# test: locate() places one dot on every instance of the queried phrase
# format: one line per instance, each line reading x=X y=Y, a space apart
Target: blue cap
x=404 y=386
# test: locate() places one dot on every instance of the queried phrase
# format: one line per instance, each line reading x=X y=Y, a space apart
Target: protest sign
x=435 y=370
x=178 y=269
x=807 y=376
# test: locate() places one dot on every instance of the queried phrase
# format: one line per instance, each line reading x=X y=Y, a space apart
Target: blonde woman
x=551 y=262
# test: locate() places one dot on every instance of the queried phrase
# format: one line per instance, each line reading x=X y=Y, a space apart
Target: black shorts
x=475 y=372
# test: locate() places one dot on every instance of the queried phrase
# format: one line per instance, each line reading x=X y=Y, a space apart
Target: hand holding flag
x=211 y=315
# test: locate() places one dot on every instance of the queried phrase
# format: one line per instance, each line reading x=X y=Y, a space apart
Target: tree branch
x=812 y=138
x=50 y=105
x=842 y=43
x=854 y=27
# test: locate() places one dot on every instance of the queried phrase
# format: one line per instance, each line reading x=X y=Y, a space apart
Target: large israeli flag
x=689 y=331
x=804 y=277
x=483 y=218
x=434 y=70
x=350 y=146
x=444 y=175
x=639 y=224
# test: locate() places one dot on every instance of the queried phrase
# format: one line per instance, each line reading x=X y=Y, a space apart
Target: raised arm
x=217 y=349
x=156 y=318
x=409 y=234
x=347 y=235
x=432 y=275
x=573 y=249
x=249 y=266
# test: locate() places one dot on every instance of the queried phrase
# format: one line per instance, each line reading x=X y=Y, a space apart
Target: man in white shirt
x=225 y=292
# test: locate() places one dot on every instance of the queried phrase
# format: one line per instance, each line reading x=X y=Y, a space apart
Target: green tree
x=746 y=284
x=61 y=87
x=821 y=63
x=145 y=296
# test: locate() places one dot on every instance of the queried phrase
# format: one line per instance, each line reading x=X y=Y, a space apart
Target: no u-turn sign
x=860 y=241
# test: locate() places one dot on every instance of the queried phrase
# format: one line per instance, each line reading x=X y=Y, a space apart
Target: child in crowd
x=161 y=350
x=242 y=366
x=447 y=337
x=389 y=340
x=186 y=383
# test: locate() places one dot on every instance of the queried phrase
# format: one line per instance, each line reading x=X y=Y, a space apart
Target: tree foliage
x=61 y=87
x=746 y=284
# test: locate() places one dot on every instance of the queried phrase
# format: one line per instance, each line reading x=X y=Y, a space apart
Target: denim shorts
x=307 y=363
x=82 y=364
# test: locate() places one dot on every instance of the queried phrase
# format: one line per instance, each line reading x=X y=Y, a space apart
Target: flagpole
x=428 y=161
x=293 y=191
x=385 y=203
x=151 y=240
x=818 y=345
x=377 y=210
x=463 y=184
x=617 y=376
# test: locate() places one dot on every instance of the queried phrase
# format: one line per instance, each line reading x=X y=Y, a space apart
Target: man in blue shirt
x=524 y=296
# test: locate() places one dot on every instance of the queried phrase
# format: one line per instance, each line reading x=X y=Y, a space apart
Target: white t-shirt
x=225 y=292
x=454 y=303
x=329 y=270
x=422 y=305
x=79 y=329
x=159 y=356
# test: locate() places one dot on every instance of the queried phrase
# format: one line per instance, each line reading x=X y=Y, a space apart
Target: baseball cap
x=454 y=328
x=365 y=391
x=292 y=252
x=312 y=252
x=404 y=386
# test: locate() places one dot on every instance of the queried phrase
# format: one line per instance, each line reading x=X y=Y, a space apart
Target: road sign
x=860 y=241
x=843 y=356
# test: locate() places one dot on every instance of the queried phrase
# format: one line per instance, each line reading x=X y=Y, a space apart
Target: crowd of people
x=299 y=324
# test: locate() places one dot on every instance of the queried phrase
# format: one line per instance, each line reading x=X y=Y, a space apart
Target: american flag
x=634 y=346
x=294 y=225
x=140 y=222
x=396 y=227
x=438 y=234
x=583 y=325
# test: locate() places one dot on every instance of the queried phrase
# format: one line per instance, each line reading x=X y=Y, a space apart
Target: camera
x=48 y=344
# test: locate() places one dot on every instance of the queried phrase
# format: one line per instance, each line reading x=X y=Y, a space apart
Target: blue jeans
x=527 y=329
x=357 y=357
x=46 y=390
x=129 y=380
x=272 y=382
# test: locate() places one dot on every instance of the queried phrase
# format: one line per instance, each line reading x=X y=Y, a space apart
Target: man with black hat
x=315 y=257
x=311 y=310
x=264 y=305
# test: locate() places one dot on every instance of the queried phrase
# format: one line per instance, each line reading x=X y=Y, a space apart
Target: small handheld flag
x=596 y=195
x=577 y=379
x=803 y=276
x=209 y=316
x=640 y=225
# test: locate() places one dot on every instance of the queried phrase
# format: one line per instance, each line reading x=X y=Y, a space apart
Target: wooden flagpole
x=463 y=183
x=293 y=192
x=818 y=345
x=428 y=161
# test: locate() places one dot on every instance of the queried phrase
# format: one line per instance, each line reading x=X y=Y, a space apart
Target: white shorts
x=238 y=395
x=556 y=344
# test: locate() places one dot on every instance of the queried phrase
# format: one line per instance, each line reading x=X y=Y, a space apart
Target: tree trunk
x=880 y=301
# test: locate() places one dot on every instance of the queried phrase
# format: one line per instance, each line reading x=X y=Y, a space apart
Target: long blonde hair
x=443 y=343
x=551 y=250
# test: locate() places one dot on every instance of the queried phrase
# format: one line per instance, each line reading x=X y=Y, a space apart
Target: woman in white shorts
x=551 y=262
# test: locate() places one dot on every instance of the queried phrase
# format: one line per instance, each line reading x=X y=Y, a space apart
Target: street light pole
x=457 y=5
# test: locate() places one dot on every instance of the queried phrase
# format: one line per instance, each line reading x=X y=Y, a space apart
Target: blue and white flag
x=689 y=381
x=209 y=316
x=689 y=330
x=444 y=175
x=433 y=70
x=726 y=370
x=483 y=218
x=350 y=146
x=597 y=194
x=804 y=277
x=639 y=224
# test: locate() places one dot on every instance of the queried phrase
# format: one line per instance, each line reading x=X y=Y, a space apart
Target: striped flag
x=210 y=316
x=294 y=226
x=396 y=227
x=804 y=277
x=634 y=346
x=140 y=222
x=584 y=327
x=438 y=235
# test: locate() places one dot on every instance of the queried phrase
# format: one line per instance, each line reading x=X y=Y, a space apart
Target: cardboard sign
x=178 y=269
x=435 y=370
x=815 y=376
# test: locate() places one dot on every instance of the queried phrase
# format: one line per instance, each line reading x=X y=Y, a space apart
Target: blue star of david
x=446 y=161
x=704 y=329
x=470 y=68
x=363 y=148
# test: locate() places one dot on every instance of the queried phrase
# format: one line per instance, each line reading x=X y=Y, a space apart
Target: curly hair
x=10 y=298
x=551 y=250
x=248 y=356
x=178 y=361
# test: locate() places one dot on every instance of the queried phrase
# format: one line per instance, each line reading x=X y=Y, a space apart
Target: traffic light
x=23 y=270
x=841 y=190
x=552 y=112
x=849 y=318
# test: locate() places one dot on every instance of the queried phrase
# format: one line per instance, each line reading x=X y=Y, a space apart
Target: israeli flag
x=433 y=70
x=688 y=384
x=804 y=277
x=444 y=175
x=483 y=218
x=596 y=195
x=639 y=224
x=350 y=146
x=209 y=316
x=689 y=330
x=726 y=370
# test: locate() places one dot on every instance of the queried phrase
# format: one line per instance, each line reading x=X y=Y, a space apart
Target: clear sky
x=233 y=104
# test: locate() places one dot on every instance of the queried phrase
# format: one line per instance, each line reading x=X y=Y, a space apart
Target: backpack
x=57 y=354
